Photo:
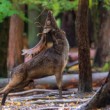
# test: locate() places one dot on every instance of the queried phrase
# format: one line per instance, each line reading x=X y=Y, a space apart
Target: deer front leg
x=59 y=83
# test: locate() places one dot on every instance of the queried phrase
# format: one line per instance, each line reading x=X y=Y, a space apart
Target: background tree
x=102 y=17
x=4 y=27
x=15 y=41
x=85 y=76
x=105 y=32
x=6 y=10
x=68 y=25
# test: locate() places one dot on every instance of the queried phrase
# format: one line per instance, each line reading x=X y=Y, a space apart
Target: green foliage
x=60 y=5
x=93 y=3
x=6 y=9
x=56 y=6
x=107 y=4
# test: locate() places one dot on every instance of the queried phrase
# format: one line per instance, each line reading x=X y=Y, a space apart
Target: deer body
x=48 y=62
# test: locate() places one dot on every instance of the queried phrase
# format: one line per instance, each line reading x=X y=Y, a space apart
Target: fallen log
x=100 y=99
x=69 y=81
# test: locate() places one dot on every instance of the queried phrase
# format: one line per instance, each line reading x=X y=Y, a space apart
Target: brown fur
x=48 y=62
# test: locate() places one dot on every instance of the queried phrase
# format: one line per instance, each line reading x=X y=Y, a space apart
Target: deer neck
x=60 y=43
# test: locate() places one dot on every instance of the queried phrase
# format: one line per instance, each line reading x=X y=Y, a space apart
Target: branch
x=58 y=101
x=46 y=91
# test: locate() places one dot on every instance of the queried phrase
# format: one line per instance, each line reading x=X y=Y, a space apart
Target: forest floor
x=39 y=99
x=45 y=99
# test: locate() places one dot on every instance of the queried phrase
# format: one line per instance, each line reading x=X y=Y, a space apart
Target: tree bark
x=68 y=25
x=106 y=40
x=85 y=77
x=15 y=42
x=4 y=27
x=103 y=32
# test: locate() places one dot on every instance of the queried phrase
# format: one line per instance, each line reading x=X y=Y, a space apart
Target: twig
x=78 y=100
x=41 y=13
x=30 y=91
x=56 y=108
x=47 y=92
x=33 y=97
x=39 y=24
x=40 y=96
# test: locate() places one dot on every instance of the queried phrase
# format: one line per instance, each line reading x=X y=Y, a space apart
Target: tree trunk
x=95 y=19
x=98 y=61
x=90 y=29
x=85 y=76
x=4 y=27
x=100 y=99
x=15 y=42
x=68 y=25
x=106 y=40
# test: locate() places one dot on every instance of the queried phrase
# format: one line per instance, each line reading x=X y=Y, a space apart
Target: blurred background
x=21 y=22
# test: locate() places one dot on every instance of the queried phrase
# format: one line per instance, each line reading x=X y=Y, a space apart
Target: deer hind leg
x=5 y=92
x=9 y=88
x=16 y=80
x=59 y=83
